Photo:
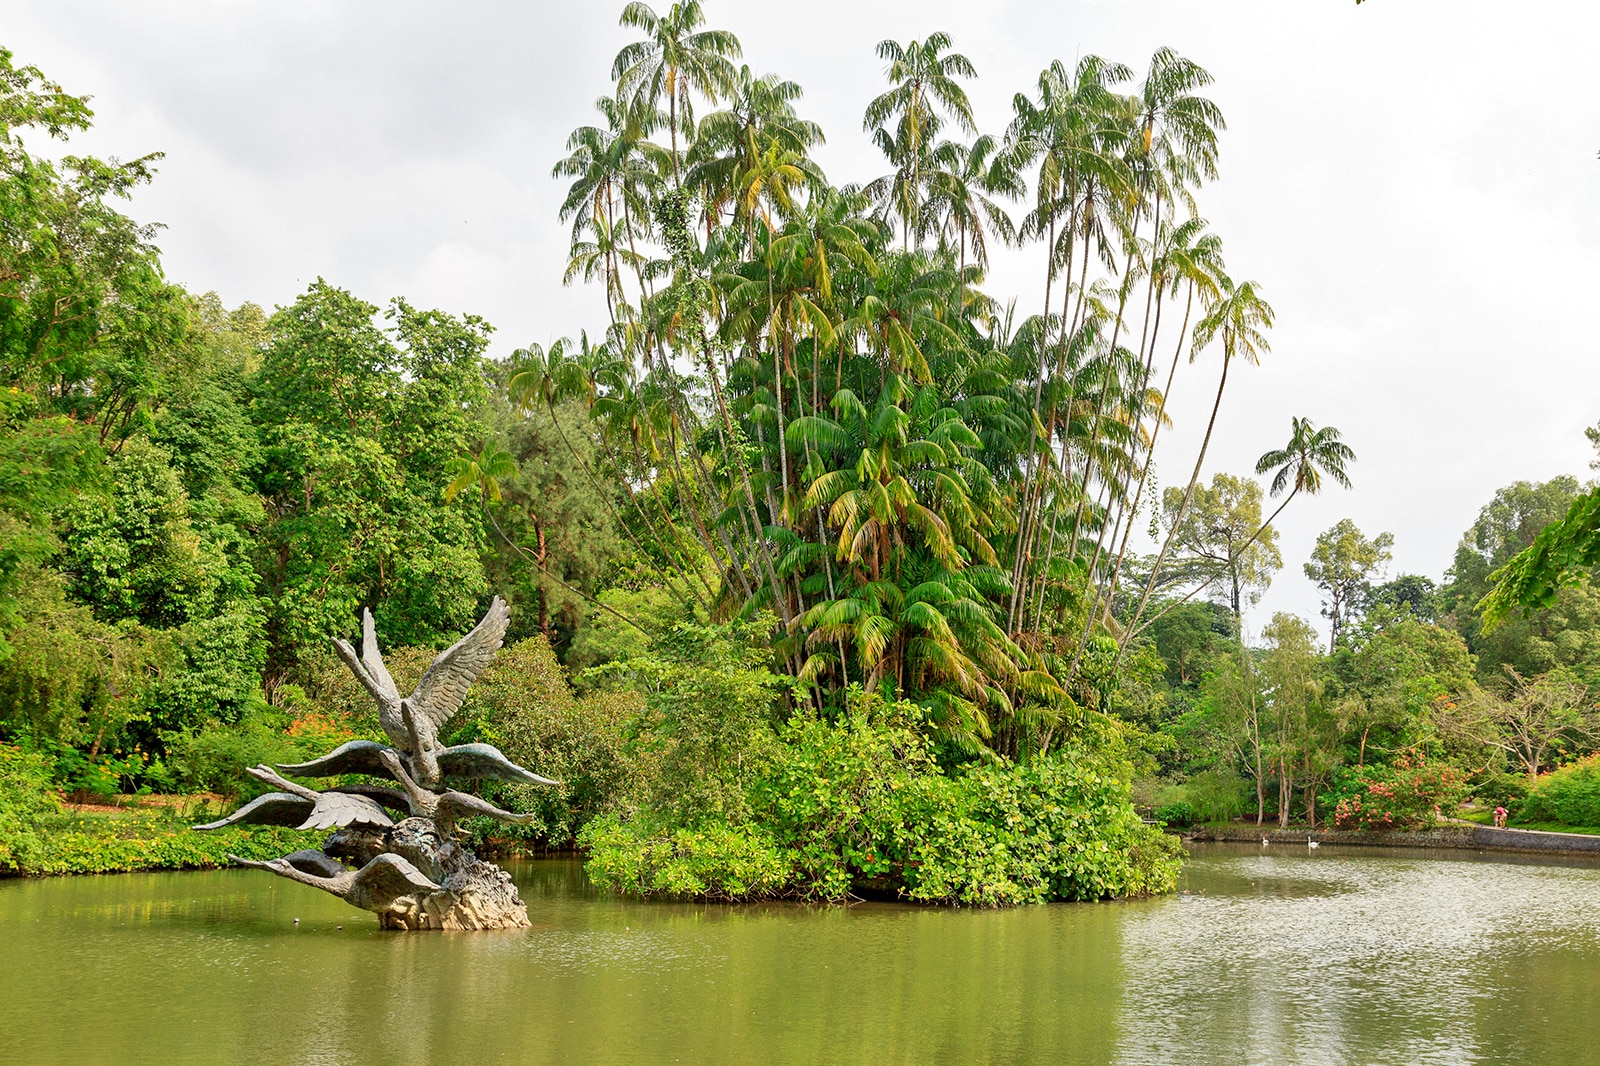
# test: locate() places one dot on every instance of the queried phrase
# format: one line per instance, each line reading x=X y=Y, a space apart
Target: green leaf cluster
x=859 y=804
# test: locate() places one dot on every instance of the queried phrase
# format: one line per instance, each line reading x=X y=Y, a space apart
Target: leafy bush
x=707 y=724
x=151 y=840
x=711 y=861
x=860 y=803
x=1500 y=789
x=25 y=800
x=1180 y=814
x=39 y=835
x=1406 y=795
x=213 y=759
x=523 y=705
x=1569 y=796
x=1218 y=795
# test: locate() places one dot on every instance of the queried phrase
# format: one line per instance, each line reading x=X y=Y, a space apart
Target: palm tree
x=1238 y=316
x=1184 y=255
x=898 y=485
x=769 y=185
x=729 y=143
x=604 y=256
x=483 y=471
x=922 y=85
x=1310 y=453
x=962 y=182
x=613 y=170
x=1173 y=149
x=675 y=60
x=900 y=311
x=1177 y=143
x=1070 y=133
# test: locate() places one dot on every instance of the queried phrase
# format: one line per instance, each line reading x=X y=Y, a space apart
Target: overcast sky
x=1414 y=184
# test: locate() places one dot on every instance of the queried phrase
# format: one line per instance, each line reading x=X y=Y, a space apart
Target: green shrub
x=861 y=803
x=710 y=861
x=38 y=835
x=524 y=706
x=1500 y=789
x=1180 y=814
x=26 y=799
x=1057 y=828
x=213 y=759
x=1217 y=795
x=150 y=840
x=1568 y=796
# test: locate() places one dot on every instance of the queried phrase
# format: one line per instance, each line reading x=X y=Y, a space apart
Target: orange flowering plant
x=1406 y=795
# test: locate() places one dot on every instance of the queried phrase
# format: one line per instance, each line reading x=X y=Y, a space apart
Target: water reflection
x=1266 y=958
x=1350 y=956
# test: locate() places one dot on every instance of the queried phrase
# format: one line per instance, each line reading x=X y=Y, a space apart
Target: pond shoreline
x=1452 y=836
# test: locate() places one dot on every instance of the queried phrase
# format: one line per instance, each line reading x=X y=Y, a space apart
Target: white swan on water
x=1313 y=843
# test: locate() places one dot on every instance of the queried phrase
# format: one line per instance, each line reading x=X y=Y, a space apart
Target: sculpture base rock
x=473 y=894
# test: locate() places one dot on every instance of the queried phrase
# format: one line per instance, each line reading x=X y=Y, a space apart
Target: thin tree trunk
x=541 y=556
x=1038 y=393
x=1183 y=510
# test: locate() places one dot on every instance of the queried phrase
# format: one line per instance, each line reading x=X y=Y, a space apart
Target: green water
x=1295 y=956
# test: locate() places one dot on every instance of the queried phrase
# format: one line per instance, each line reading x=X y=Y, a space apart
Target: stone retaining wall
x=1453 y=836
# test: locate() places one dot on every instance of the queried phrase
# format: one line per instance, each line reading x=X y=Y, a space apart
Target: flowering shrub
x=1407 y=795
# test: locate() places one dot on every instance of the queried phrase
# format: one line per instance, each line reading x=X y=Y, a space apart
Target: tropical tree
x=905 y=498
x=1302 y=463
x=675 y=60
x=963 y=183
x=1238 y=317
x=758 y=127
x=923 y=92
x=1342 y=565
x=614 y=169
x=1223 y=544
x=1530 y=722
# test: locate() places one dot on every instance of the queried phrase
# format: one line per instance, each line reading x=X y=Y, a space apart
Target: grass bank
x=143 y=833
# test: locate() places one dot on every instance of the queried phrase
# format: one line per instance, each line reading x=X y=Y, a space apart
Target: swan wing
x=390 y=798
x=317 y=863
x=371 y=659
x=335 y=810
x=486 y=760
x=385 y=879
x=274 y=808
x=354 y=757
x=443 y=688
x=457 y=805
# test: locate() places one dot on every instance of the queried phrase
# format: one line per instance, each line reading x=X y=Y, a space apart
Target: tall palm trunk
x=1183 y=509
x=684 y=558
x=1026 y=503
x=1155 y=433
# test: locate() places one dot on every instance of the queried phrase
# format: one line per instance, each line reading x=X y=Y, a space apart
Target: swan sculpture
x=411 y=872
x=412 y=722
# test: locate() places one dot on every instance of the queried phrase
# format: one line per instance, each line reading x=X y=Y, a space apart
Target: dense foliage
x=1569 y=796
x=39 y=835
x=1406 y=795
x=858 y=804
x=832 y=571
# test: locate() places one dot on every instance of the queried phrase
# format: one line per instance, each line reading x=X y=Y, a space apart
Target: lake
x=1267 y=955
